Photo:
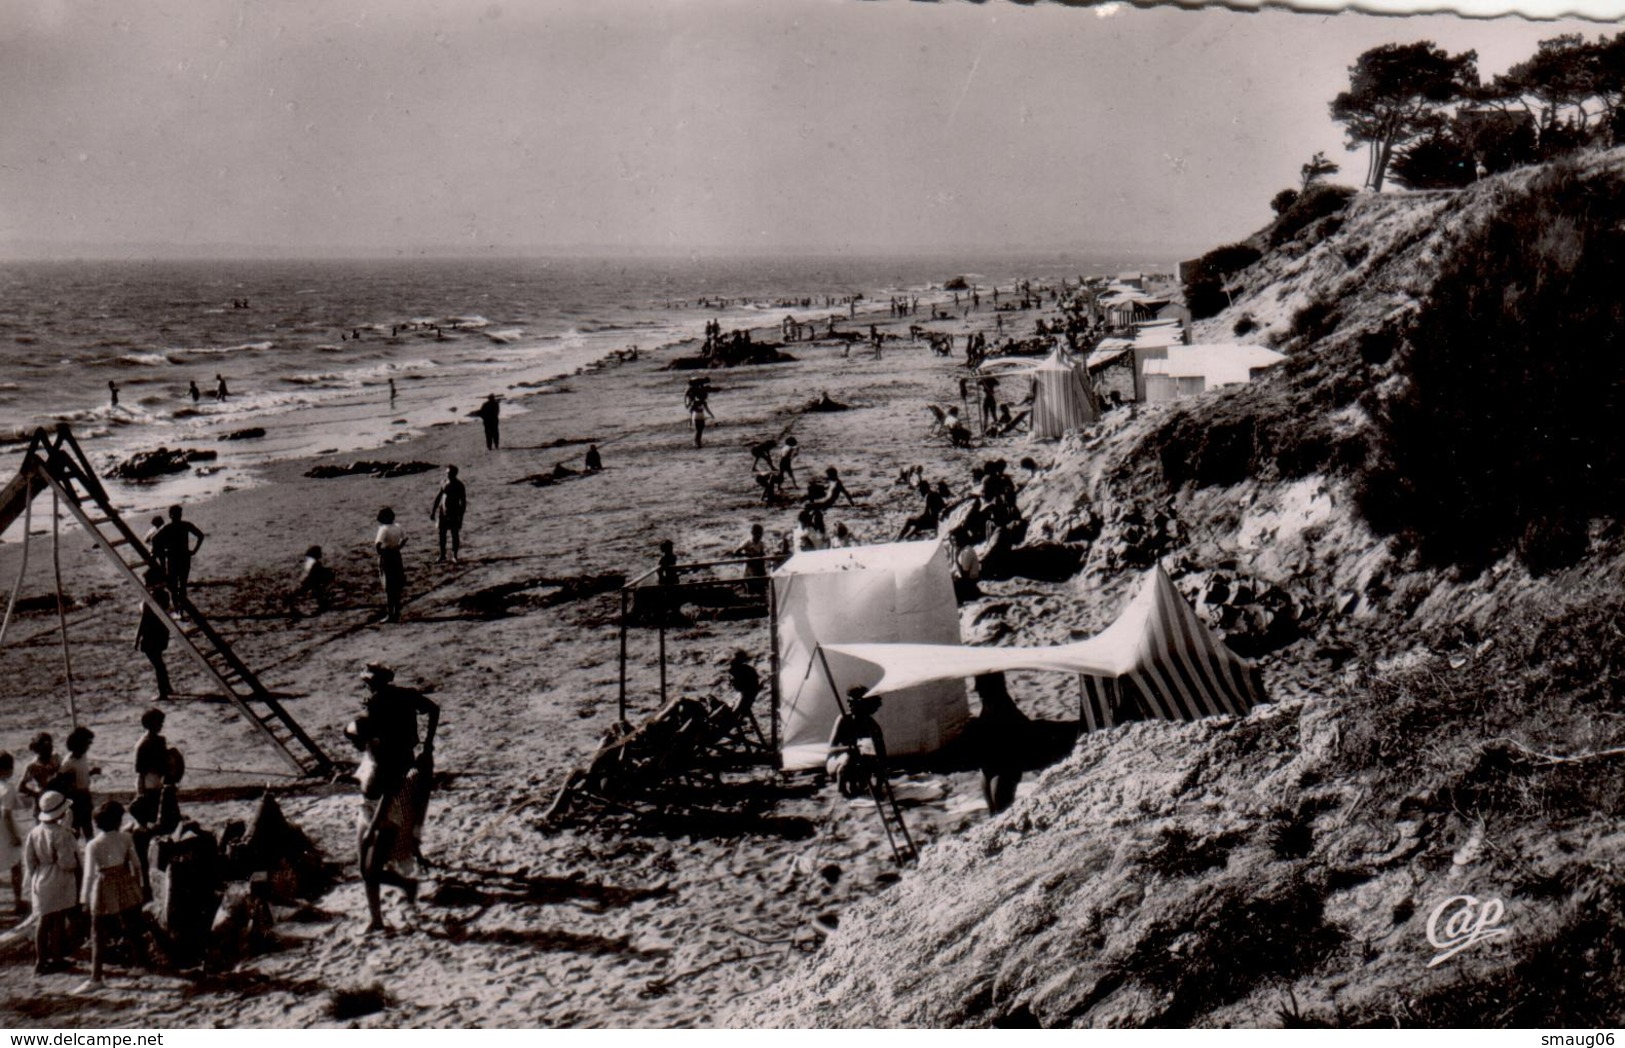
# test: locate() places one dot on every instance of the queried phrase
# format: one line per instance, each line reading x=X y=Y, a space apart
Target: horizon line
x=260 y=253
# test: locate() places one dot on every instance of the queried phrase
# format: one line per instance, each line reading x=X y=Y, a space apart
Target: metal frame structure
x=639 y=583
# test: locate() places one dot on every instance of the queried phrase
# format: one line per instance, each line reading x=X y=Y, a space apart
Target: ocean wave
x=353 y=377
x=473 y=320
x=150 y=360
x=211 y=351
x=505 y=335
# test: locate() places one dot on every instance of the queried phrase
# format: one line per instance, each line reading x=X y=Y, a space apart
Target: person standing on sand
x=11 y=835
x=51 y=871
x=787 y=462
x=396 y=777
x=220 y=390
x=173 y=548
x=450 y=502
x=755 y=550
x=193 y=392
x=152 y=639
x=111 y=886
x=488 y=413
x=391 y=569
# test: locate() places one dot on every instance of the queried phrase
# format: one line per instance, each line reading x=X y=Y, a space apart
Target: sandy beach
x=516 y=926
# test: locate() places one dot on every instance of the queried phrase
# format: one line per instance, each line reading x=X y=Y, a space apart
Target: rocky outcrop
x=370 y=468
x=150 y=465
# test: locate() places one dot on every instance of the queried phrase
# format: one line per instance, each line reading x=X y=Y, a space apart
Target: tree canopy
x=1396 y=93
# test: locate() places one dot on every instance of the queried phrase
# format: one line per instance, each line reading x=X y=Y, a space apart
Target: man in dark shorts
x=395 y=782
x=449 y=504
x=173 y=547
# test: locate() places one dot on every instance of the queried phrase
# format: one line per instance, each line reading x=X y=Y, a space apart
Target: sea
x=307 y=349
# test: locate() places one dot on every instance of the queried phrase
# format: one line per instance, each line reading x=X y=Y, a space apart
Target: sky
x=387 y=127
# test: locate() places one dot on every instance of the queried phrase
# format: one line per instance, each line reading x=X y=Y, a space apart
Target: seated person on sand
x=315 y=582
x=836 y=489
x=857 y=747
x=926 y=521
x=810 y=534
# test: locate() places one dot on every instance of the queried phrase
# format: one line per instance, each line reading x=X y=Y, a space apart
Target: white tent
x=1156 y=660
x=1061 y=399
x=902 y=591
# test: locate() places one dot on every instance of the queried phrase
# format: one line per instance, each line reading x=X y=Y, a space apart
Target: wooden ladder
x=60 y=465
x=891 y=819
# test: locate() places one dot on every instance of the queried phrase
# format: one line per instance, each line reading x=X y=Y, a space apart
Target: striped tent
x=1061 y=399
x=1156 y=660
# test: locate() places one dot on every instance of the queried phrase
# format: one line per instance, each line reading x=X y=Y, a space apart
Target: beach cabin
x=1111 y=369
x=901 y=592
x=1187 y=370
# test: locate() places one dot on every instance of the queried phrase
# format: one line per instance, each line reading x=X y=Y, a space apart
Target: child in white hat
x=51 y=871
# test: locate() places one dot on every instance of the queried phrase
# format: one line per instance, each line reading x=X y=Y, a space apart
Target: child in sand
x=112 y=884
x=787 y=463
x=315 y=582
x=38 y=773
x=11 y=837
x=74 y=778
x=51 y=870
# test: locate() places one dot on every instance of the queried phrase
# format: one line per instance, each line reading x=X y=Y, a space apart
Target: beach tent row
x=885 y=617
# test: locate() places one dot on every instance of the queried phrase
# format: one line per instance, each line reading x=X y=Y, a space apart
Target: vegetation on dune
x=1205 y=278
x=1503 y=435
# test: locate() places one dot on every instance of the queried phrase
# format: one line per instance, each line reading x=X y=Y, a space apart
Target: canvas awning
x=1174 y=666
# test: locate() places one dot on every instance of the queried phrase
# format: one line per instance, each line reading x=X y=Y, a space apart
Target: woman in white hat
x=51 y=871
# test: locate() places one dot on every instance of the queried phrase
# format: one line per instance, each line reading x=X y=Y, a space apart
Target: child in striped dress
x=112 y=884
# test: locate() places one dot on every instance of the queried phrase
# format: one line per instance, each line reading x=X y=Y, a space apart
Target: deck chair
x=734 y=730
